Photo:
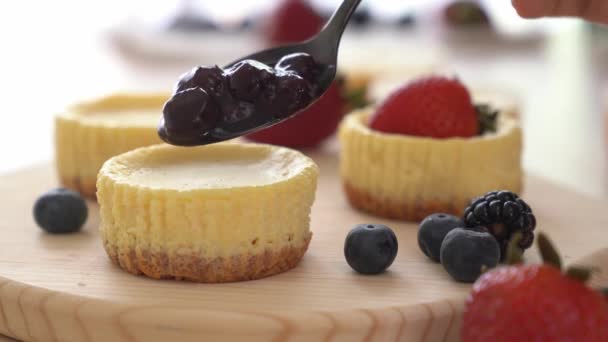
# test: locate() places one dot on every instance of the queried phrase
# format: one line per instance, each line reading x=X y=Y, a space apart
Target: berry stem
x=514 y=253
x=548 y=251
x=356 y=98
x=487 y=118
x=579 y=273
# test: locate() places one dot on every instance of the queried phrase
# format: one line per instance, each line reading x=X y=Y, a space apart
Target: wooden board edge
x=32 y=313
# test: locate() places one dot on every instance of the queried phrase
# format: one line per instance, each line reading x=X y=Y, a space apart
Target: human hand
x=592 y=10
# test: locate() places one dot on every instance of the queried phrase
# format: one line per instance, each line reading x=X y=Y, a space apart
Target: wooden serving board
x=64 y=288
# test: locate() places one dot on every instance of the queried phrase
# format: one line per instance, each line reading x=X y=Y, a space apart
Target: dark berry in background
x=432 y=231
x=361 y=18
x=192 y=23
x=60 y=211
x=466 y=13
x=466 y=252
x=370 y=248
x=406 y=20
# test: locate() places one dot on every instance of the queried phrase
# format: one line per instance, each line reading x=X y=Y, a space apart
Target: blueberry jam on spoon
x=210 y=100
x=211 y=104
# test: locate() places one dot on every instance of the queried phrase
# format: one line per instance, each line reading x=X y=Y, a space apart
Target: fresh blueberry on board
x=370 y=248
x=466 y=252
x=60 y=211
x=432 y=231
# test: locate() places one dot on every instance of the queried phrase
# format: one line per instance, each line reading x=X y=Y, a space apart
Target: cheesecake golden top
x=217 y=166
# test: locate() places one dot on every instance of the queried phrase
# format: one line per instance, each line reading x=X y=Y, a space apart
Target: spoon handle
x=332 y=32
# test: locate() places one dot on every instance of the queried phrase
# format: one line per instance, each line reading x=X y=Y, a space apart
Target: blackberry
x=502 y=213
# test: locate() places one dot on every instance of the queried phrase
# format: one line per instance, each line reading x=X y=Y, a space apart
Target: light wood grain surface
x=63 y=288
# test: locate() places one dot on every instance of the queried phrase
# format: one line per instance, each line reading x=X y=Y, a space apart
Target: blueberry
x=433 y=230
x=287 y=96
x=238 y=111
x=370 y=248
x=248 y=79
x=60 y=211
x=293 y=93
x=465 y=252
x=266 y=102
x=190 y=111
x=300 y=63
x=211 y=79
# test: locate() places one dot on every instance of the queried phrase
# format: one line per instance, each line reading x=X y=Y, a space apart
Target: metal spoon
x=323 y=48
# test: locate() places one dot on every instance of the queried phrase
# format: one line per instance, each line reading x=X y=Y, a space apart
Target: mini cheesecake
x=218 y=213
x=410 y=177
x=87 y=134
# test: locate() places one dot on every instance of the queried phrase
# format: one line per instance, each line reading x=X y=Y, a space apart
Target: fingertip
x=531 y=9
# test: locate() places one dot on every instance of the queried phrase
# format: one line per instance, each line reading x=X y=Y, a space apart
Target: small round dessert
x=218 y=213
x=410 y=177
x=89 y=133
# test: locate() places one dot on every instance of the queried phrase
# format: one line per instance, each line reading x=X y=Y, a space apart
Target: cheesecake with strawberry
x=427 y=148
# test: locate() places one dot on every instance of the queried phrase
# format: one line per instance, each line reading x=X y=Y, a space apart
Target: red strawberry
x=534 y=303
x=293 y=21
x=434 y=106
x=309 y=127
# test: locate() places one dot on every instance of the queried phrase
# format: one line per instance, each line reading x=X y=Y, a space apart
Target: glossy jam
x=210 y=104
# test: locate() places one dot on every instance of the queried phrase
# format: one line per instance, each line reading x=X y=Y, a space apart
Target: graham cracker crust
x=386 y=208
x=204 y=270
x=86 y=187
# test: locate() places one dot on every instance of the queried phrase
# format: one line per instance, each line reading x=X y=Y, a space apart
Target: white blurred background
x=56 y=52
